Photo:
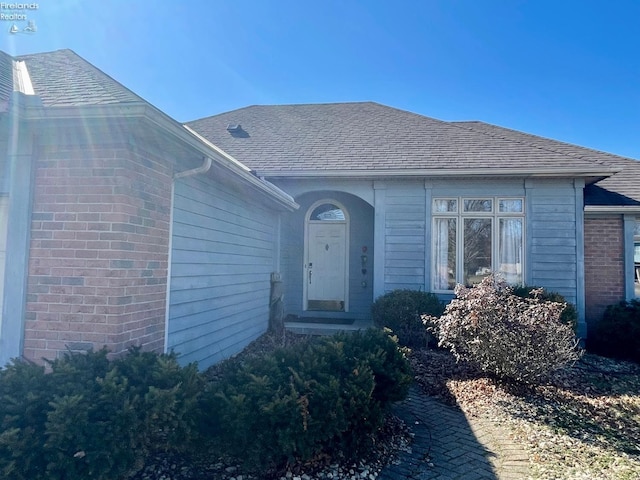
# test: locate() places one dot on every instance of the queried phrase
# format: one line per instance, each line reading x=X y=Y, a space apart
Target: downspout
x=206 y=165
x=204 y=168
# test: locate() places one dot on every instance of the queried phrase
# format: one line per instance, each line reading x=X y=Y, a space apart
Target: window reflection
x=327 y=212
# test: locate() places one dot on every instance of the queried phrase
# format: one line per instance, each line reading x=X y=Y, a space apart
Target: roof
x=366 y=137
x=369 y=137
x=622 y=188
x=63 y=78
x=62 y=85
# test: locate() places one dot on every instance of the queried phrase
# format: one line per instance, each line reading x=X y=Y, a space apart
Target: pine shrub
x=515 y=338
x=327 y=395
x=92 y=418
x=617 y=334
x=401 y=311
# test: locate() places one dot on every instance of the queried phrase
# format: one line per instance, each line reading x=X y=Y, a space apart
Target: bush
x=91 y=418
x=326 y=395
x=401 y=311
x=569 y=315
x=519 y=339
x=617 y=334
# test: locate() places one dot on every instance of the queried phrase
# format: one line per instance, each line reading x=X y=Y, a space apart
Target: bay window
x=473 y=237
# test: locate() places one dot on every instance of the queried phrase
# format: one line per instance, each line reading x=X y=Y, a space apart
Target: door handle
x=309 y=276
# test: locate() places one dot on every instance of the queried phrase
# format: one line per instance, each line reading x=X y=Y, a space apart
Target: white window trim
x=495 y=215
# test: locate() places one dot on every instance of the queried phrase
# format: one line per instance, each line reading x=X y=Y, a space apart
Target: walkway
x=449 y=446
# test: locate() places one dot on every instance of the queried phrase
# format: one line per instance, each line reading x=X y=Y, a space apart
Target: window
x=473 y=237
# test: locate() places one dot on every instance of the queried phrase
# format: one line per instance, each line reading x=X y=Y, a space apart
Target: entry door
x=326 y=266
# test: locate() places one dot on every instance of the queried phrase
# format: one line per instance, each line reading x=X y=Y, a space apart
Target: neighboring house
x=425 y=204
x=120 y=226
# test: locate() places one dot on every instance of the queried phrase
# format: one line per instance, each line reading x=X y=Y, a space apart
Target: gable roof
x=369 y=139
x=63 y=78
x=62 y=85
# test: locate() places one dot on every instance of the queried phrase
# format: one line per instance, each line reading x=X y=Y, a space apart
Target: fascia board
x=632 y=209
x=442 y=173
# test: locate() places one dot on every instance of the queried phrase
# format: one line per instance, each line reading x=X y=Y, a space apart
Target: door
x=326 y=265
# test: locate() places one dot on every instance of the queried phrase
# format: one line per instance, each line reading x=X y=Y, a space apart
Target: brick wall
x=603 y=264
x=99 y=251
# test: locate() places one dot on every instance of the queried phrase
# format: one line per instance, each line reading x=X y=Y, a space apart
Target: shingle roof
x=361 y=137
x=62 y=78
x=369 y=136
x=622 y=188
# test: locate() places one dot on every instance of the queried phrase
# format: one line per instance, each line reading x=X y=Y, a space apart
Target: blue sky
x=568 y=70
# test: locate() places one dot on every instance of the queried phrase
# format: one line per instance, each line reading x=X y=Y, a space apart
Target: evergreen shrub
x=401 y=311
x=617 y=334
x=515 y=338
x=92 y=418
x=327 y=395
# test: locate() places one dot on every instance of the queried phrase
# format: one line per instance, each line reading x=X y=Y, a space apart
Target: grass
x=583 y=423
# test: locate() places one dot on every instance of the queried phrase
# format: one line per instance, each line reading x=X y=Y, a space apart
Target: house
x=425 y=204
x=120 y=226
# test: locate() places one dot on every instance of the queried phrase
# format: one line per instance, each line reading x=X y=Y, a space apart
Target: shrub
x=569 y=315
x=617 y=334
x=401 y=310
x=326 y=395
x=91 y=418
x=520 y=339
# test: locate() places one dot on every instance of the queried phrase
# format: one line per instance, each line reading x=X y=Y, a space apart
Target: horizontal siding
x=223 y=252
x=551 y=223
x=404 y=230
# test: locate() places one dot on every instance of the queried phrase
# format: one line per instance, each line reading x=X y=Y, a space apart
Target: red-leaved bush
x=514 y=338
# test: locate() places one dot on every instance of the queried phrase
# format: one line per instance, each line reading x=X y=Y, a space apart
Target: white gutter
x=432 y=173
x=612 y=209
x=204 y=168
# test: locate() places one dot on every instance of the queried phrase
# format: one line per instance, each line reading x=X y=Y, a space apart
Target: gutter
x=631 y=209
x=204 y=168
x=432 y=173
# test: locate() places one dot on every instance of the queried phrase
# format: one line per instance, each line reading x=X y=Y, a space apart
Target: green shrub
x=401 y=311
x=91 y=418
x=326 y=395
x=515 y=338
x=569 y=315
x=617 y=334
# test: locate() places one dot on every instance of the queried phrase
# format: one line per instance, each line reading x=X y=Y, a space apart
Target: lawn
x=583 y=423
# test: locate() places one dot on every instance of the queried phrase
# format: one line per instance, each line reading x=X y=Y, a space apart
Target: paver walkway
x=449 y=446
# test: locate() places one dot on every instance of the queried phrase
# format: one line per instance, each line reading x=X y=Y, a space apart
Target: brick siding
x=99 y=251
x=603 y=264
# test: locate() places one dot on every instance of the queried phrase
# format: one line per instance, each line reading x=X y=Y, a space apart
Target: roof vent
x=235 y=129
